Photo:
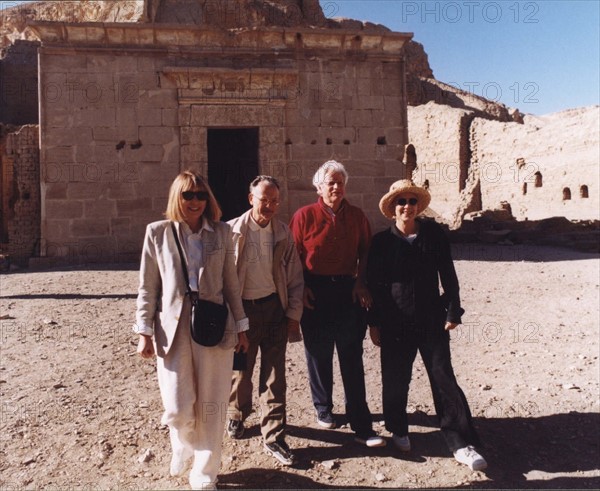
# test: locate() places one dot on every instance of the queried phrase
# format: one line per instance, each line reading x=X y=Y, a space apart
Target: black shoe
x=235 y=429
x=281 y=452
x=325 y=419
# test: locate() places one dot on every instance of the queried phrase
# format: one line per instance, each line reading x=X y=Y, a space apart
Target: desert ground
x=81 y=411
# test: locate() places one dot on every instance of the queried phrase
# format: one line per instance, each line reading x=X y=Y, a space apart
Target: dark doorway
x=232 y=164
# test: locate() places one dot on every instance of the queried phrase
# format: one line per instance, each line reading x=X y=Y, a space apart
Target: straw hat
x=387 y=204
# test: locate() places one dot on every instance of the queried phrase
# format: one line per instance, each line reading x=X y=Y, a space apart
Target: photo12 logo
x=471 y=12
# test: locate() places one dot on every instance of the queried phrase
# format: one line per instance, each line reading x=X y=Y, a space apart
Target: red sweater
x=328 y=243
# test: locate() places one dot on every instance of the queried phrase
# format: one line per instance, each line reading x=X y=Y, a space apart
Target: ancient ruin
x=104 y=102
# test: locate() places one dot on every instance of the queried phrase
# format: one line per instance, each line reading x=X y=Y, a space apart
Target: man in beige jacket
x=272 y=284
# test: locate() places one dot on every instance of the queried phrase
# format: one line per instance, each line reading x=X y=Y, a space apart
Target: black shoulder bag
x=207 y=318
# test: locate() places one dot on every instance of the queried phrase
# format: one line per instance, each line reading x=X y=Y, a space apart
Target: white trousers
x=195 y=382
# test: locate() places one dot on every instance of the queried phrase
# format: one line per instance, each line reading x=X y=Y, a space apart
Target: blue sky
x=540 y=56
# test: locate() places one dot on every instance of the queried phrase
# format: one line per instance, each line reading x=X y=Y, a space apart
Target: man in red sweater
x=333 y=238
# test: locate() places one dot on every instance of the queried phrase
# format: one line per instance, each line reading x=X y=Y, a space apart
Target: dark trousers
x=336 y=322
x=398 y=353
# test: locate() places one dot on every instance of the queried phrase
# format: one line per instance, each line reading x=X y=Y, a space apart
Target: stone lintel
x=211 y=40
x=230 y=86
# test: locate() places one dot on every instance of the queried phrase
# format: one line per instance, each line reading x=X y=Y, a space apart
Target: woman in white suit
x=194 y=380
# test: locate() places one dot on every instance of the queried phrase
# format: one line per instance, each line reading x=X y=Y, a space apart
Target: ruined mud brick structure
x=234 y=93
x=544 y=167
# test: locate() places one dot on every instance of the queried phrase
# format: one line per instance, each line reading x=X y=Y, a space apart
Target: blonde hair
x=187 y=181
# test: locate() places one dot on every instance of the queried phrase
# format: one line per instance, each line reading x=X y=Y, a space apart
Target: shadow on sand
x=544 y=452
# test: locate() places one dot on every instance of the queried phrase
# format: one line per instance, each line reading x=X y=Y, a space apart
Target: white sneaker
x=401 y=442
x=469 y=456
x=370 y=440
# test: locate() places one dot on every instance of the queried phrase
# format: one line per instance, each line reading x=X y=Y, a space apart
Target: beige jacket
x=162 y=286
x=287 y=270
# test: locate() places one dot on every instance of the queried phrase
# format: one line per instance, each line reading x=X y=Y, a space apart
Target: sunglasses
x=404 y=201
x=199 y=195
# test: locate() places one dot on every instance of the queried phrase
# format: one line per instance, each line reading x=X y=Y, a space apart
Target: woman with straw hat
x=405 y=266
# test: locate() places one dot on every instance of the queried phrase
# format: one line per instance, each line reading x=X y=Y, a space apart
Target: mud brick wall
x=21 y=193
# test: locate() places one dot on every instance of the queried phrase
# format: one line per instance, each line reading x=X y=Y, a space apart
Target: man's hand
x=145 y=348
x=450 y=325
x=293 y=331
x=243 y=343
x=375 y=334
x=308 y=299
x=360 y=294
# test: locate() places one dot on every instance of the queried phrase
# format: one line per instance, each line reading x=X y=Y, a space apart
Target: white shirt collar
x=255 y=227
x=205 y=226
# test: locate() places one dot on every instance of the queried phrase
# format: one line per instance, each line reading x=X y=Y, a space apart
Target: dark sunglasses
x=199 y=195
x=410 y=201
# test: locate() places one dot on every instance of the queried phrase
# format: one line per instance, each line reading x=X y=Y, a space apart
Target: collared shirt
x=194 y=250
x=258 y=249
x=331 y=243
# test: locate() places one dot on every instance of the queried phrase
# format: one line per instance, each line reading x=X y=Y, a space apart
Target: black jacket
x=404 y=279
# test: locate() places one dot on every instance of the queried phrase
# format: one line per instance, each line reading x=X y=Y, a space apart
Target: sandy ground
x=79 y=409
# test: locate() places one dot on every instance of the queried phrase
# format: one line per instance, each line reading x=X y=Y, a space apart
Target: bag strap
x=183 y=263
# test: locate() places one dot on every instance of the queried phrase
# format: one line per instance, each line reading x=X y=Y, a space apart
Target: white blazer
x=162 y=287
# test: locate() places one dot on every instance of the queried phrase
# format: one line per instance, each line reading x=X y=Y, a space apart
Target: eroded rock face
x=13 y=21
x=236 y=13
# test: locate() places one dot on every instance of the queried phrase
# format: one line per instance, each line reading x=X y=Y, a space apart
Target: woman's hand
x=145 y=347
x=375 y=334
x=243 y=343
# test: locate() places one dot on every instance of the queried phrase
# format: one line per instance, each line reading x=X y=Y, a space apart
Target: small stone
x=49 y=322
x=380 y=477
x=147 y=456
x=486 y=387
x=329 y=464
x=28 y=460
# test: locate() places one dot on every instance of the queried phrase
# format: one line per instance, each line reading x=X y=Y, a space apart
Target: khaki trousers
x=268 y=332
x=194 y=385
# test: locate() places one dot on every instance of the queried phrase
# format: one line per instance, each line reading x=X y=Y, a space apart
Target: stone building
x=232 y=88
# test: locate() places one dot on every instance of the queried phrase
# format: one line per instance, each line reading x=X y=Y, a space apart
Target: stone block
x=185 y=115
x=333 y=117
x=386 y=118
x=368 y=102
x=82 y=190
x=101 y=208
x=64 y=64
x=364 y=167
x=95 y=227
x=147 y=153
x=396 y=136
x=120 y=226
x=55 y=154
x=134 y=207
x=55 y=231
x=63 y=209
x=192 y=153
x=359 y=118
x=68 y=137
x=393 y=104
x=163 y=98
x=123 y=189
x=170 y=117
x=55 y=191
x=157 y=135
x=151 y=116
